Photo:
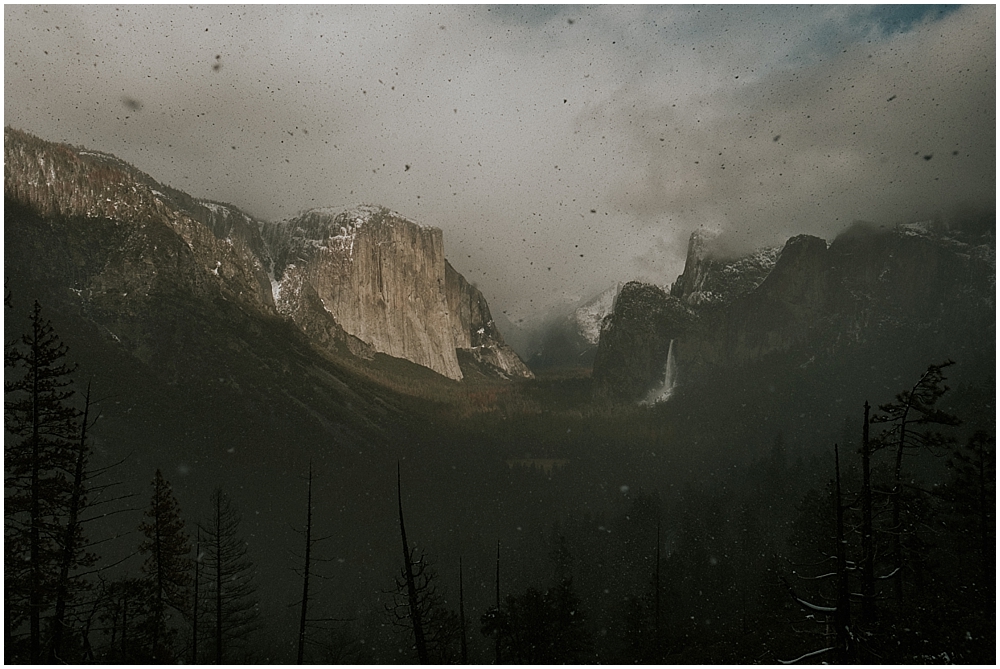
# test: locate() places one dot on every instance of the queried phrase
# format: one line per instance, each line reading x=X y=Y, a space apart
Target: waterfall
x=664 y=392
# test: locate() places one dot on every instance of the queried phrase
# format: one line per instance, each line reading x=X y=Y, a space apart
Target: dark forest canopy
x=625 y=534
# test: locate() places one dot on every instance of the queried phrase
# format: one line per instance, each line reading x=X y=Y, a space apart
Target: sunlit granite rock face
x=383 y=281
x=379 y=275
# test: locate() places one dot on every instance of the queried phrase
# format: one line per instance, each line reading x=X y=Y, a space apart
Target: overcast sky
x=560 y=148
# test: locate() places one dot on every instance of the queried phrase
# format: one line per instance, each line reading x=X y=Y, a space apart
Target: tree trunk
x=411 y=586
x=34 y=536
x=867 y=532
x=984 y=544
x=194 y=611
x=218 y=584
x=897 y=516
x=69 y=548
x=305 y=575
x=461 y=612
x=125 y=629
x=656 y=589
x=497 y=650
x=158 y=552
x=842 y=616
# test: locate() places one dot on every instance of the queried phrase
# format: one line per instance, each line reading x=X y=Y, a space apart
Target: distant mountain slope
x=711 y=277
x=876 y=294
x=157 y=307
x=357 y=283
x=567 y=338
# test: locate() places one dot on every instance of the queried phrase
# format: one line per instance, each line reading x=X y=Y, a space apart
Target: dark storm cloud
x=811 y=148
x=560 y=148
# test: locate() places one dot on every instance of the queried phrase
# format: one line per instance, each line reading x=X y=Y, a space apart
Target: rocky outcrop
x=383 y=280
x=475 y=331
x=635 y=340
x=143 y=233
x=711 y=276
x=379 y=275
x=588 y=318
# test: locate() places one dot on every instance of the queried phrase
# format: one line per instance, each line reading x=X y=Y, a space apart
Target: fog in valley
x=499 y=334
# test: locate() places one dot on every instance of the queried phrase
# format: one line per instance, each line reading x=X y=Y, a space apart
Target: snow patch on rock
x=590 y=317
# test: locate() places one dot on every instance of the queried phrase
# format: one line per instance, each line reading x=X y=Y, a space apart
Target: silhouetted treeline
x=876 y=546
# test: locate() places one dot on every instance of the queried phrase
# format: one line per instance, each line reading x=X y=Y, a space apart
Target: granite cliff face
x=635 y=340
x=870 y=292
x=383 y=280
x=379 y=275
x=713 y=277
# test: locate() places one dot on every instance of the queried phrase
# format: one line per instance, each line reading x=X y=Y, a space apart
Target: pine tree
x=228 y=588
x=304 y=610
x=165 y=569
x=124 y=605
x=39 y=462
x=543 y=627
x=972 y=494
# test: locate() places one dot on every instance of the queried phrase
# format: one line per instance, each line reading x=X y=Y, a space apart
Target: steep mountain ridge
x=873 y=293
x=150 y=240
x=357 y=283
x=476 y=332
x=709 y=277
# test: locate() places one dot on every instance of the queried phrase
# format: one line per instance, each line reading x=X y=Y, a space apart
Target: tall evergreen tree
x=166 y=569
x=124 y=604
x=461 y=612
x=543 y=626
x=39 y=462
x=198 y=555
x=228 y=589
x=815 y=529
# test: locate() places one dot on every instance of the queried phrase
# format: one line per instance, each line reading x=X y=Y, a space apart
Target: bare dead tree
x=867 y=530
x=461 y=612
x=415 y=609
x=74 y=554
x=910 y=418
x=840 y=612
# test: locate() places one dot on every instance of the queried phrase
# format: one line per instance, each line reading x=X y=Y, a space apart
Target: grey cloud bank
x=561 y=149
